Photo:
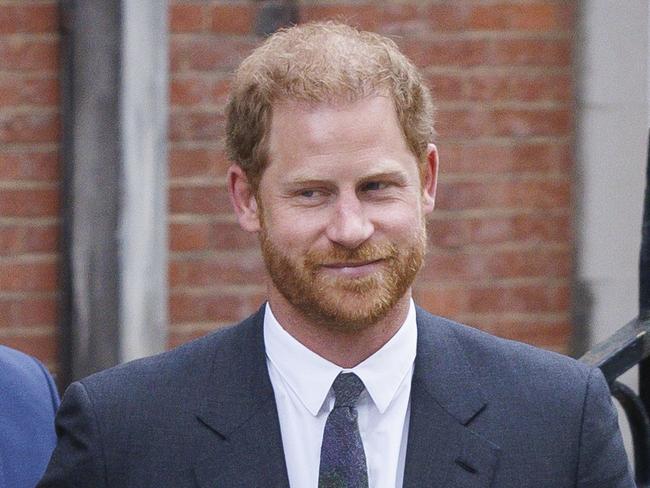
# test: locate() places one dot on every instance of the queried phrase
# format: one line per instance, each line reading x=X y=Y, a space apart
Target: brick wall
x=500 y=253
x=214 y=268
x=29 y=176
x=500 y=242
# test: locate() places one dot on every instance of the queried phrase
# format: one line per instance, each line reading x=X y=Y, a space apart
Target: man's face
x=341 y=211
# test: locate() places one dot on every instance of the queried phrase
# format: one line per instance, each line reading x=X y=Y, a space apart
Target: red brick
x=232 y=236
x=22 y=239
x=538 y=122
x=32 y=91
x=519 y=194
x=519 y=87
x=464 y=300
x=32 y=276
x=178 y=336
x=28 y=54
x=200 y=200
x=209 y=53
x=522 y=157
x=219 y=91
x=452 y=233
x=386 y=18
x=198 y=162
x=28 y=311
x=473 y=261
x=445 y=267
x=434 y=18
x=408 y=20
x=199 y=91
x=447 y=87
x=520 y=298
x=41 y=345
x=186 y=18
x=362 y=16
x=445 y=301
x=196 y=126
x=488 y=52
x=534 y=16
x=242 y=269
x=549 y=334
x=29 y=165
x=29 y=127
x=175 y=338
x=189 y=237
x=29 y=202
x=29 y=100
x=530 y=52
x=203 y=236
x=446 y=52
x=187 y=92
x=34 y=18
x=216 y=307
x=472 y=123
x=233 y=19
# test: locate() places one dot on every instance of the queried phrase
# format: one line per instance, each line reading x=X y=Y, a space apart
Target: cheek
x=294 y=231
x=404 y=219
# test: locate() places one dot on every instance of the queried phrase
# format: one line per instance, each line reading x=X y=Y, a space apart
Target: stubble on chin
x=340 y=303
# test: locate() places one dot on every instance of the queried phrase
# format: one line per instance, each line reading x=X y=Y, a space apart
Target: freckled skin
x=340 y=211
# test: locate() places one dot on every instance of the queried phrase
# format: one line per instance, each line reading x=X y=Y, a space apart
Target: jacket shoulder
x=505 y=364
x=171 y=373
x=550 y=415
x=24 y=373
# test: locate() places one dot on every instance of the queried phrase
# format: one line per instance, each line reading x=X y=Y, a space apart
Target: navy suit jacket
x=28 y=402
x=485 y=412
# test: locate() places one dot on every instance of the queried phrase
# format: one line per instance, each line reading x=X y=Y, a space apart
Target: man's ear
x=243 y=199
x=430 y=179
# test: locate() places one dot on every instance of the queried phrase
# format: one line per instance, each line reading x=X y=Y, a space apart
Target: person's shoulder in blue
x=28 y=402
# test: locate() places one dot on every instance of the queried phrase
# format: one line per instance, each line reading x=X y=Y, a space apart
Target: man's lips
x=355 y=264
x=352 y=269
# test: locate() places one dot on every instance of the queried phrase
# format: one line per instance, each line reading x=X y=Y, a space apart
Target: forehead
x=303 y=134
x=361 y=114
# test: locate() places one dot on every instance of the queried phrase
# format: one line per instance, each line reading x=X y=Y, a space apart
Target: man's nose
x=349 y=225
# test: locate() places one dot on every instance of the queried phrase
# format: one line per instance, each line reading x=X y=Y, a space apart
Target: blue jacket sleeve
x=54 y=394
x=28 y=402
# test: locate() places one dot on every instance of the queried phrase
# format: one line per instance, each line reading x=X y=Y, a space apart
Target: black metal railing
x=629 y=347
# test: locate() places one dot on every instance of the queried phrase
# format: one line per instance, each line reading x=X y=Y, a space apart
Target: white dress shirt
x=302 y=383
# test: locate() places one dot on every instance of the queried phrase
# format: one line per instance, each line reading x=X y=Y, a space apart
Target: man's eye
x=310 y=194
x=374 y=185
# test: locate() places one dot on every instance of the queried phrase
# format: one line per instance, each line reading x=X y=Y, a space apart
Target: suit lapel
x=442 y=448
x=239 y=442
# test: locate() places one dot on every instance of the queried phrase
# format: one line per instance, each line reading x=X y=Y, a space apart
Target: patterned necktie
x=342 y=459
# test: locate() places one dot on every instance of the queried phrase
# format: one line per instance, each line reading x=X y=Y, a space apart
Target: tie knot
x=347 y=388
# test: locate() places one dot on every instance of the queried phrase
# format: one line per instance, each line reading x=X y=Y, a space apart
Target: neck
x=345 y=348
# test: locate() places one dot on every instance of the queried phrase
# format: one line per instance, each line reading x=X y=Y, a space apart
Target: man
x=28 y=402
x=338 y=380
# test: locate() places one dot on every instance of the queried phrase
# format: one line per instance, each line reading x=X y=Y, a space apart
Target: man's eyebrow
x=306 y=181
x=397 y=176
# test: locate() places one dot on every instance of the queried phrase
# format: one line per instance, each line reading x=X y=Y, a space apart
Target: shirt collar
x=310 y=376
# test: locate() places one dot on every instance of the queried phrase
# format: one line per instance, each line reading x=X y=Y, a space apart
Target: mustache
x=340 y=255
